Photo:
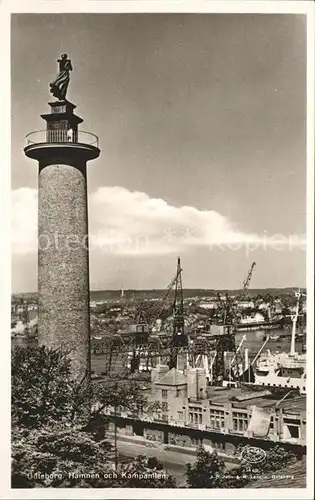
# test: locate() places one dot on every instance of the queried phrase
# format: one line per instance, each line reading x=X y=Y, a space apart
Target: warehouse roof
x=294 y=405
x=242 y=398
x=223 y=395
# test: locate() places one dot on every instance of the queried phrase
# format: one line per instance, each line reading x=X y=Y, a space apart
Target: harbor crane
x=150 y=313
x=167 y=347
x=179 y=338
x=170 y=343
x=246 y=282
x=147 y=315
x=235 y=317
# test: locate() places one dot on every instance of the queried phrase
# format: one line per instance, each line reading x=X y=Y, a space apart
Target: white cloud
x=131 y=223
x=24 y=220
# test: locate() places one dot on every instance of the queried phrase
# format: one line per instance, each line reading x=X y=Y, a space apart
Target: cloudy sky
x=201 y=121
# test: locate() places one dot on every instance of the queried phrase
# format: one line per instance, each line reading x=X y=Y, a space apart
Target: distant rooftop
x=241 y=398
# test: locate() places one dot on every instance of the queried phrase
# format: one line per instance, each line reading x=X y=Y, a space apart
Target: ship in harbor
x=283 y=369
x=258 y=322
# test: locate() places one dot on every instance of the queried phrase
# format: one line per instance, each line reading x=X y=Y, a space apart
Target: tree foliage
x=58 y=456
x=43 y=392
x=56 y=442
x=123 y=395
x=42 y=389
x=207 y=470
x=154 y=463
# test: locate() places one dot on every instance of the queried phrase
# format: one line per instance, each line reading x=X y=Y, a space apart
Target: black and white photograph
x=159 y=288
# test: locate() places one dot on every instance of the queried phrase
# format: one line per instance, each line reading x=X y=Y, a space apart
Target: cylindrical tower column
x=63 y=267
x=63 y=252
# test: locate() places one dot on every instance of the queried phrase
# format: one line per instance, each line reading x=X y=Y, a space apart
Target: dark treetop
x=59 y=87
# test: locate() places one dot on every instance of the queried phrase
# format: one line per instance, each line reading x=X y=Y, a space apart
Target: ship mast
x=295 y=317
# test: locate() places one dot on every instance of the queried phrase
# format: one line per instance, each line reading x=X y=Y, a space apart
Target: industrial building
x=222 y=418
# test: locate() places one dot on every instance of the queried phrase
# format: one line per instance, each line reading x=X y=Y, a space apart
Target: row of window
x=217 y=418
x=195 y=418
x=240 y=423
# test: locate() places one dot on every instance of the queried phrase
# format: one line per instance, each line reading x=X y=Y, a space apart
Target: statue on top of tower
x=59 y=87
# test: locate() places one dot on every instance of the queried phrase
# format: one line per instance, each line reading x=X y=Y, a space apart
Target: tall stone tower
x=62 y=152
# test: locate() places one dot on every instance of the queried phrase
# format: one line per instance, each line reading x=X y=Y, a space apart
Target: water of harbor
x=255 y=339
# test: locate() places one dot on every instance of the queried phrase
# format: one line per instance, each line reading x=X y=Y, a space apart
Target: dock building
x=220 y=418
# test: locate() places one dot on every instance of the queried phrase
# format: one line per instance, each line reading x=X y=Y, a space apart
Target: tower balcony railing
x=62 y=137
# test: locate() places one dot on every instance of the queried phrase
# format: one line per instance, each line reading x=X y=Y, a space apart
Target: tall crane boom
x=152 y=313
x=178 y=304
x=179 y=338
x=246 y=283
